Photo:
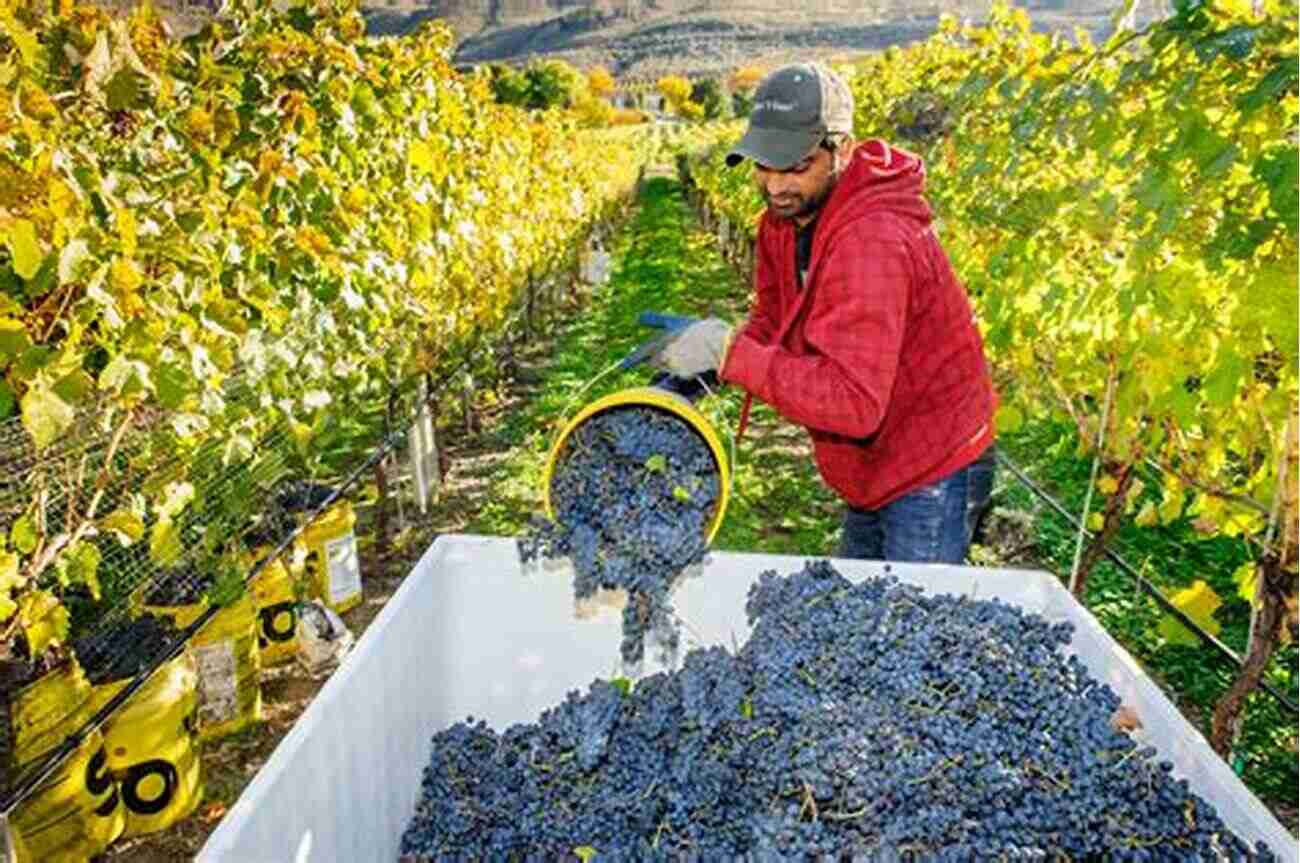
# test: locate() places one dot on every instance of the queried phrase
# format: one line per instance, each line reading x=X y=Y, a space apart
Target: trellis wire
x=1141 y=581
x=44 y=767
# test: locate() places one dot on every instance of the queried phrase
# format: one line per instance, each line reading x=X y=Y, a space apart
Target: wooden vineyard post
x=381 y=508
x=1275 y=597
x=1112 y=518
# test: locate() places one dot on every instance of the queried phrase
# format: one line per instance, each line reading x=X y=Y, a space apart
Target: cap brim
x=772 y=148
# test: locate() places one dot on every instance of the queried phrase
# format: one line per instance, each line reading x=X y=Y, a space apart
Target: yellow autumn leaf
x=35 y=102
x=420 y=156
x=1198 y=602
x=199 y=125
x=1246 y=577
x=124 y=278
x=312 y=241
x=164 y=542
x=44 y=620
x=127 y=231
x=123 y=524
x=1107 y=485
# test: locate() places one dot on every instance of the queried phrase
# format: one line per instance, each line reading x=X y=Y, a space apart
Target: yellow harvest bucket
x=229 y=663
x=76 y=813
x=151 y=746
x=332 y=563
x=648 y=397
x=276 y=601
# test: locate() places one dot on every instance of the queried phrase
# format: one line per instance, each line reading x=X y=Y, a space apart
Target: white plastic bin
x=469 y=633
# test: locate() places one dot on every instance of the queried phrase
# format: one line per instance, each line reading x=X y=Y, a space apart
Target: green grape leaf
x=164 y=542
x=1279 y=169
x=83 y=566
x=23 y=536
x=173 y=385
x=1008 y=419
x=125 y=90
x=1222 y=384
x=13 y=339
x=74 y=387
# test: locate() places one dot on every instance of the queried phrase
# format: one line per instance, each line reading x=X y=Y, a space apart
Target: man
x=860 y=331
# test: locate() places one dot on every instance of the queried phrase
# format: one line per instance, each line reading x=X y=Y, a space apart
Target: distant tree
x=511 y=86
x=677 y=93
x=593 y=112
x=712 y=98
x=601 y=82
x=743 y=82
x=554 y=84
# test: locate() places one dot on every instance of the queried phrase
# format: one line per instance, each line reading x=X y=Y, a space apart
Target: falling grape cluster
x=859 y=721
x=633 y=493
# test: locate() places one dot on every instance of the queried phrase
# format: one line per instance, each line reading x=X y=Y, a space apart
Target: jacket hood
x=880 y=177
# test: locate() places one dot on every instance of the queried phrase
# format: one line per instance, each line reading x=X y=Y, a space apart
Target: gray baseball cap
x=794 y=108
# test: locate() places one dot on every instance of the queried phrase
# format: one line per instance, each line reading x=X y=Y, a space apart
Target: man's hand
x=694 y=349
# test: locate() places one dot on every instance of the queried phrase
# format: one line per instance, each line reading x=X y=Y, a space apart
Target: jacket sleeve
x=854 y=330
x=764 y=317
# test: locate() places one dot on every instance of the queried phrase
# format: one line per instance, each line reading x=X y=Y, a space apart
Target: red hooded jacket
x=878 y=356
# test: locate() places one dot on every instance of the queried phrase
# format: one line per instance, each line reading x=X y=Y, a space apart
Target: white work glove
x=694 y=349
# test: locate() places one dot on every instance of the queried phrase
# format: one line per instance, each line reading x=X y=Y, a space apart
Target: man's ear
x=841 y=155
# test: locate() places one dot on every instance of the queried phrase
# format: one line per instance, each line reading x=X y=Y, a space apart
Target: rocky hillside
x=648 y=38
x=644 y=39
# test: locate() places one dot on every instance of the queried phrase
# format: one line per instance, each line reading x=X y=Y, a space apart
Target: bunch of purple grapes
x=859 y=721
x=633 y=493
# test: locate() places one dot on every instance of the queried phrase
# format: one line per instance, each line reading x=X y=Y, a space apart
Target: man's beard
x=802 y=206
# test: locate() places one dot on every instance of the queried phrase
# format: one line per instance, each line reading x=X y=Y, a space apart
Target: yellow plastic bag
x=76 y=813
x=277 y=613
x=229 y=664
x=332 y=563
x=152 y=748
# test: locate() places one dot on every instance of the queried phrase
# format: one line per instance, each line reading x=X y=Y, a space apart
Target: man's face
x=798 y=191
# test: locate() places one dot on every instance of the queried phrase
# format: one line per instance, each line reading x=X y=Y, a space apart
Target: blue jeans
x=933 y=524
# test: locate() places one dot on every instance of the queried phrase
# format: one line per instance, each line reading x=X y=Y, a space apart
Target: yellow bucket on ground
x=229 y=663
x=648 y=397
x=276 y=601
x=334 y=571
x=77 y=812
x=151 y=746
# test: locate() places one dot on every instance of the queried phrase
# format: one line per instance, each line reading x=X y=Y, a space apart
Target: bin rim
x=671 y=402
